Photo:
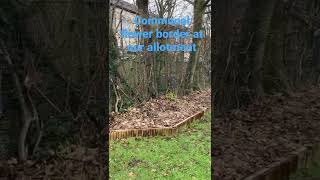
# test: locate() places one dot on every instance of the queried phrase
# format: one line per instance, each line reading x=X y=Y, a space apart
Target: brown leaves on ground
x=161 y=112
x=73 y=162
x=267 y=130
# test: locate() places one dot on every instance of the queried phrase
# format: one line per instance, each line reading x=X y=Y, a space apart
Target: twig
x=117 y=95
x=249 y=44
x=47 y=99
x=39 y=125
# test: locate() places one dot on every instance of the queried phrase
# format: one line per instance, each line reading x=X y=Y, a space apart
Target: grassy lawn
x=184 y=156
x=312 y=173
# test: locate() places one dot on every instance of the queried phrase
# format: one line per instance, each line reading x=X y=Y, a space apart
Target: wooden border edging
x=282 y=169
x=126 y=133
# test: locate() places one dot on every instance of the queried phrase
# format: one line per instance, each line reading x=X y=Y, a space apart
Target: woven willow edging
x=302 y=158
x=126 y=133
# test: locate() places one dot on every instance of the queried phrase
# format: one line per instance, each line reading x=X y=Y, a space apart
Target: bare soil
x=269 y=129
x=161 y=112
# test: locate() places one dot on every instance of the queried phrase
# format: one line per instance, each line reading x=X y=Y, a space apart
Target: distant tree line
x=137 y=77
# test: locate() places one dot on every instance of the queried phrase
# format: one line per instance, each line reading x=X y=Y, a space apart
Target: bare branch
x=190 y=2
x=207 y=2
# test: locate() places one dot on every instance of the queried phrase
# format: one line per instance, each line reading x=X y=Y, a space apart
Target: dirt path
x=249 y=139
x=161 y=112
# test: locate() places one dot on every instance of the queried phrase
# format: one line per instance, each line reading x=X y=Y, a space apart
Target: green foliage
x=172 y=96
x=185 y=156
x=312 y=172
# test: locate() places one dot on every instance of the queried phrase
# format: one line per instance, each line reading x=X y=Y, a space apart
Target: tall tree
x=225 y=66
x=260 y=21
x=143 y=11
x=275 y=76
x=198 y=12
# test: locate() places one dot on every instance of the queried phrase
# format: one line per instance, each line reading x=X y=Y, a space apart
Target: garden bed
x=257 y=138
x=162 y=116
x=125 y=133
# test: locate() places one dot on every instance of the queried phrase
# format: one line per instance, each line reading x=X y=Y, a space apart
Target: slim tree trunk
x=260 y=21
x=26 y=113
x=143 y=10
x=275 y=76
x=199 y=9
x=223 y=90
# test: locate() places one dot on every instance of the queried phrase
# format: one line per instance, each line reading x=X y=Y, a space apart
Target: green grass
x=312 y=173
x=183 y=156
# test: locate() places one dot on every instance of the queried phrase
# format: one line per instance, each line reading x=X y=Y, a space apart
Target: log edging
x=284 y=168
x=165 y=131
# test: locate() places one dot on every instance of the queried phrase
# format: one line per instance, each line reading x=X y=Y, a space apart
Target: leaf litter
x=161 y=112
x=264 y=132
x=73 y=162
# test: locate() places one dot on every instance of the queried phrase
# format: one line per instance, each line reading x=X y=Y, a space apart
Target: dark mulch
x=267 y=130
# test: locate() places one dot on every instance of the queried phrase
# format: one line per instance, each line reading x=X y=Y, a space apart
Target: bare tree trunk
x=260 y=21
x=143 y=10
x=199 y=10
x=275 y=76
x=224 y=92
x=26 y=115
